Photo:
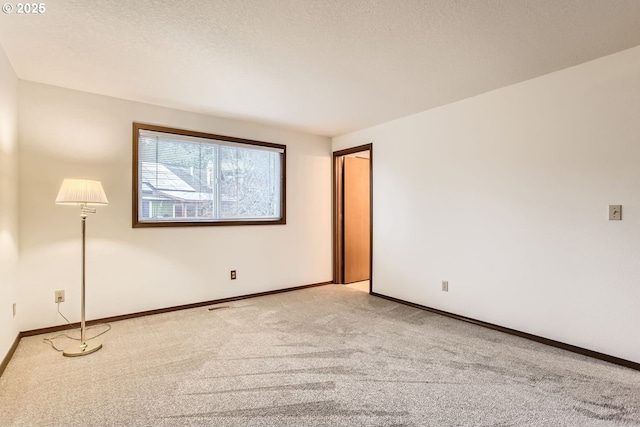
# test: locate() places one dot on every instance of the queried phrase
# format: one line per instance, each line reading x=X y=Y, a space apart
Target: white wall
x=64 y=133
x=505 y=195
x=8 y=204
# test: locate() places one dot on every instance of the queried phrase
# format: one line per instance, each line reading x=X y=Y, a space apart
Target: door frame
x=338 y=210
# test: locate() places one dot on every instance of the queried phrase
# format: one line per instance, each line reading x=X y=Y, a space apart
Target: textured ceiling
x=322 y=66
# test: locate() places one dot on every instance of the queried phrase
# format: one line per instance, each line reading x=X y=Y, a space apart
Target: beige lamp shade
x=81 y=191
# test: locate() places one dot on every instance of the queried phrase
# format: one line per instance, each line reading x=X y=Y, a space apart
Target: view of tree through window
x=185 y=179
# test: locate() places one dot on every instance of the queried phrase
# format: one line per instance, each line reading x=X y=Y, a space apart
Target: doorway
x=353 y=215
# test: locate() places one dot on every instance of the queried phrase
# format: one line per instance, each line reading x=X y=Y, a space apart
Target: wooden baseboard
x=9 y=355
x=164 y=310
x=547 y=341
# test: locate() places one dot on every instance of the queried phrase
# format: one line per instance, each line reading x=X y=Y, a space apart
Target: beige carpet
x=326 y=356
x=359 y=286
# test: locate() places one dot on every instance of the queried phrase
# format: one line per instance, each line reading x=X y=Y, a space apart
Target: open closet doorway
x=353 y=215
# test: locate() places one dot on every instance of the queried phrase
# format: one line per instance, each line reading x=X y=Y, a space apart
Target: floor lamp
x=83 y=193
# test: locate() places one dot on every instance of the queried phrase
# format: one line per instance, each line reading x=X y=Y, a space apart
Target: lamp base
x=82 y=349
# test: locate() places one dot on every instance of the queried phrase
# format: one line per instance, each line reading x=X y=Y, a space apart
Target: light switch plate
x=615 y=212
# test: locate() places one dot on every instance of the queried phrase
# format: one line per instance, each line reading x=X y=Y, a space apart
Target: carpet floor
x=324 y=356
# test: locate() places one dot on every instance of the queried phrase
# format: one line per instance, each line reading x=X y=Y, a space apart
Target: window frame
x=136 y=223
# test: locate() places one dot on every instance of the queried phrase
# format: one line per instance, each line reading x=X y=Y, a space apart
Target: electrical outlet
x=14 y=309
x=445 y=286
x=59 y=296
x=233 y=275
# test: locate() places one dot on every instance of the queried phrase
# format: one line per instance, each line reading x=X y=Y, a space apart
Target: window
x=190 y=178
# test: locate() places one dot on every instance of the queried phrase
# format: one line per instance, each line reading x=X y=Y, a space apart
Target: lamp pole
x=83 y=340
x=83 y=348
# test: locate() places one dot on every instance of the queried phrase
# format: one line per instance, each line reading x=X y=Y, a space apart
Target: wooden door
x=356 y=214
